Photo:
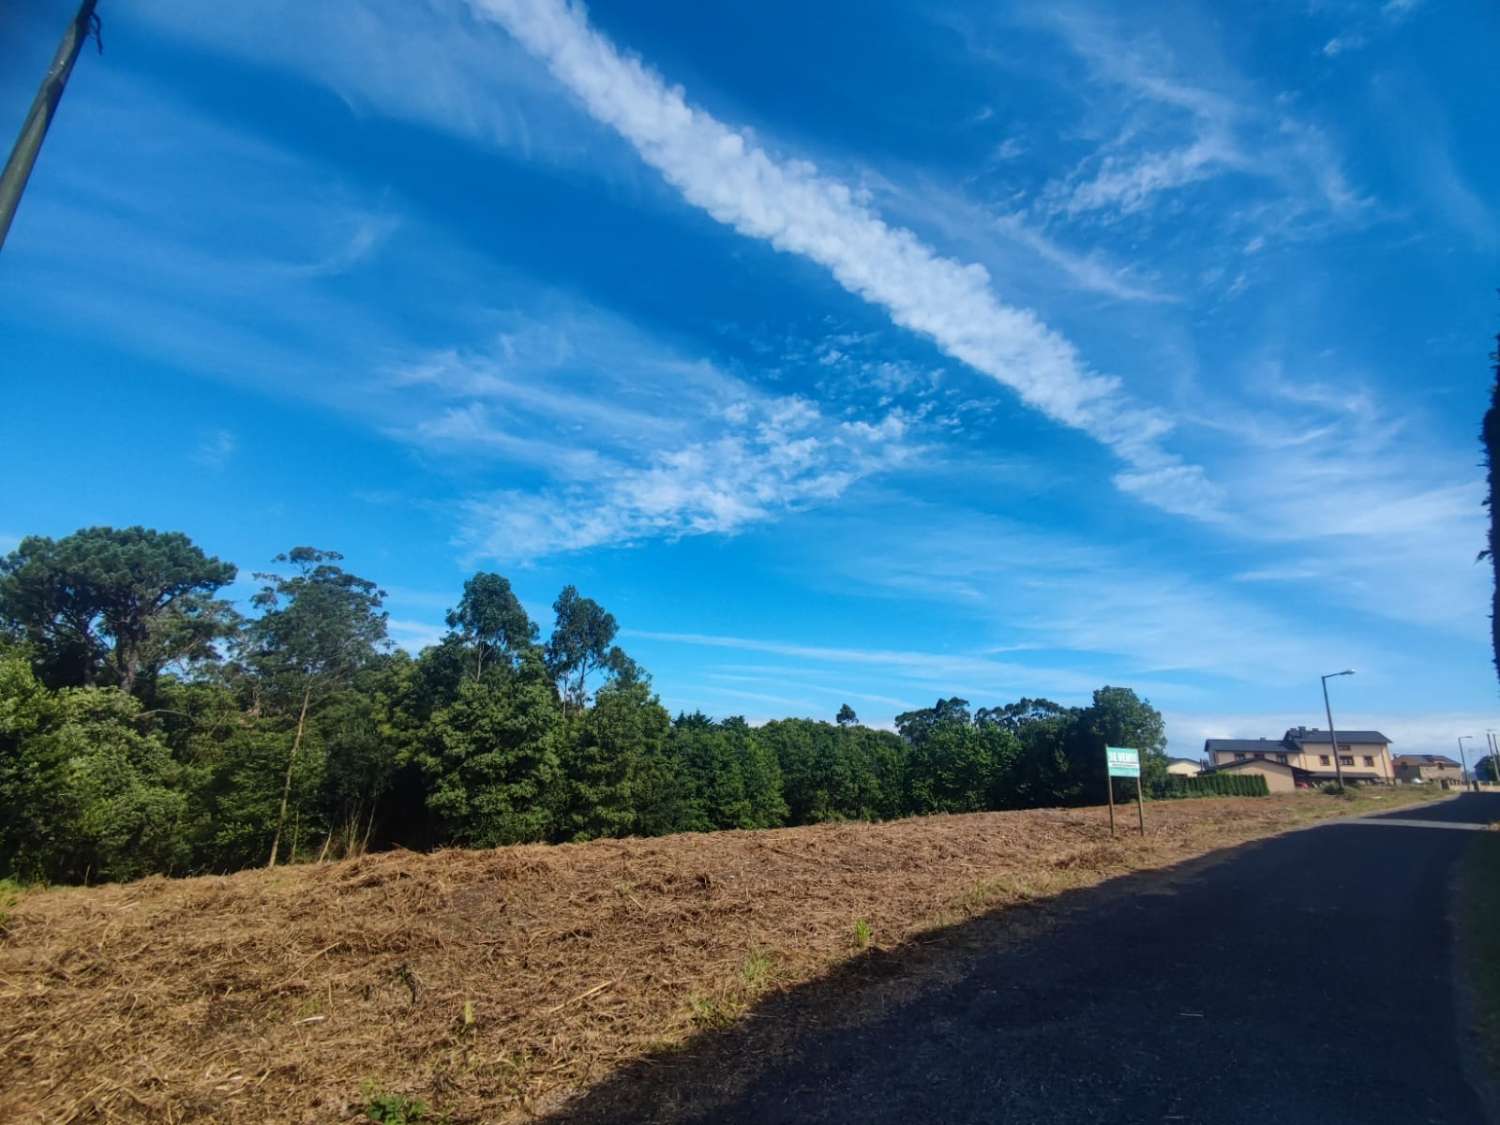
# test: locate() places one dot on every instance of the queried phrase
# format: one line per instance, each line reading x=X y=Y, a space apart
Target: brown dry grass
x=494 y=983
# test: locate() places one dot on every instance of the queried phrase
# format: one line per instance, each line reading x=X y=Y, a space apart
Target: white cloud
x=1398 y=10
x=413 y=60
x=768 y=457
x=1357 y=502
x=1185 y=117
x=791 y=205
x=971 y=674
x=414 y=636
x=1349 y=41
x=215 y=449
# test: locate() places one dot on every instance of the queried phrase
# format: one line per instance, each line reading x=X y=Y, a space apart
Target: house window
x=1281 y=758
x=1258 y=754
x=1323 y=760
x=1238 y=757
x=1346 y=759
x=1369 y=761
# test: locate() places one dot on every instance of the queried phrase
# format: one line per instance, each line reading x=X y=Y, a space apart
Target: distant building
x=1428 y=767
x=1307 y=752
x=1280 y=777
x=1184 y=767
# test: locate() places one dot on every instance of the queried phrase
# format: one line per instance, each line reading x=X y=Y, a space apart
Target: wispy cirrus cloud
x=767 y=457
x=419 y=61
x=1183 y=123
x=797 y=209
x=974 y=674
x=215 y=449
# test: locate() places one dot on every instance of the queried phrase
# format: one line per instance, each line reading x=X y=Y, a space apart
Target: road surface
x=1307 y=978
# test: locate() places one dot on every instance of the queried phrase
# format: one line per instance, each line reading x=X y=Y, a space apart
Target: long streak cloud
x=789 y=204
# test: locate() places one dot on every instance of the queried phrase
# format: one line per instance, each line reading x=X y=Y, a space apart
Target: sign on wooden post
x=1121 y=761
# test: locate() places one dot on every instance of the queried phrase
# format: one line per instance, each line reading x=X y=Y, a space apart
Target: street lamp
x=1462 y=758
x=1333 y=737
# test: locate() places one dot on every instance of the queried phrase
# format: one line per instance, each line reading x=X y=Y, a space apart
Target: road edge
x=1465 y=1002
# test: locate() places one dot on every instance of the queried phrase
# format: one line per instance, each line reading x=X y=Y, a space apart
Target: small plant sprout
x=862 y=934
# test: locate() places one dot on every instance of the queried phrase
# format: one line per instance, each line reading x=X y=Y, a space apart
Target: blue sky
x=846 y=352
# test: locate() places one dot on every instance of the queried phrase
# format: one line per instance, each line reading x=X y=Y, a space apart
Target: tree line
x=146 y=725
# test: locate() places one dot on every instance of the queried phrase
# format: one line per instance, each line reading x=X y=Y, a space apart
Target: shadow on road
x=801 y=1023
x=1233 y=987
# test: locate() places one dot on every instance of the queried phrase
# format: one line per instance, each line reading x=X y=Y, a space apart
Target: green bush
x=1211 y=785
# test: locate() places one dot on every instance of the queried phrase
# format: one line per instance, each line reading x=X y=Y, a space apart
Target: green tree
x=114 y=605
x=611 y=750
x=1043 y=771
x=85 y=795
x=950 y=770
x=318 y=627
x=712 y=771
x=830 y=772
x=361 y=754
x=491 y=621
x=846 y=716
x=491 y=758
x=581 y=644
x=915 y=726
x=760 y=772
x=1119 y=717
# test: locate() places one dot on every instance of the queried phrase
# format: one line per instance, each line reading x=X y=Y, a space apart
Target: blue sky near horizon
x=845 y=353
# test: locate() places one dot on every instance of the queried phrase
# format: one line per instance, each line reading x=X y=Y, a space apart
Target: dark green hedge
x=1212 y=785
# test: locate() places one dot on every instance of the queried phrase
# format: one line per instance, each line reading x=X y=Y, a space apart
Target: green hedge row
x=1212 y=785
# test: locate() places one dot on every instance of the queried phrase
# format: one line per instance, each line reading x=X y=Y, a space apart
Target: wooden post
x=1109 y=782
x=1140 y=803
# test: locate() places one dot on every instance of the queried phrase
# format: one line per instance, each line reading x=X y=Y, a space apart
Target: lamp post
x=1463 y=758
x=1333 y=736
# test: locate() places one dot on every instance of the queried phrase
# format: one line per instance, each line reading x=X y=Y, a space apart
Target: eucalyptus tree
x=582 y=643
x=492 y=622
x=318 y=627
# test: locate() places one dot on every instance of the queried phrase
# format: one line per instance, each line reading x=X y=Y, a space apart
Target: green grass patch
x=1480 y=917
x=395 y=1109
x=758 y=971
x=863 y=935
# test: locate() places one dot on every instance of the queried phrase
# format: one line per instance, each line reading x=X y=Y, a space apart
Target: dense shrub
x=1212 y=785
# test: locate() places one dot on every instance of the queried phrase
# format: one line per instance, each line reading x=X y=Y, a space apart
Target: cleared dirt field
x=494 y=984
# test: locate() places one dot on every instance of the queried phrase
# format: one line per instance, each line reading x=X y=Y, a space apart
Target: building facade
x=1364 y=756
x=1419 y=768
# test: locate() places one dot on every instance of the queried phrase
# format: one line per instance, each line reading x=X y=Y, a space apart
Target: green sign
x=1122 y=762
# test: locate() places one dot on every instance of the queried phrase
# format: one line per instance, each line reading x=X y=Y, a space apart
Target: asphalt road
x=1302 y=979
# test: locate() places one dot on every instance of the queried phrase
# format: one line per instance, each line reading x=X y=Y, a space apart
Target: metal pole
x=1494 y=755
x=39 y=117
x=1140 y=802
x=1463 y=758
x=1333 y=736
x=1109 y=787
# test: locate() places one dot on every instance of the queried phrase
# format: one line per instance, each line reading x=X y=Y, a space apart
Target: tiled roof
x=1312 y=734
x=1259 y=745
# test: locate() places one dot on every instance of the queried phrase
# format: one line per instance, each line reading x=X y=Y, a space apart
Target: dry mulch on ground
x=492 y=984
